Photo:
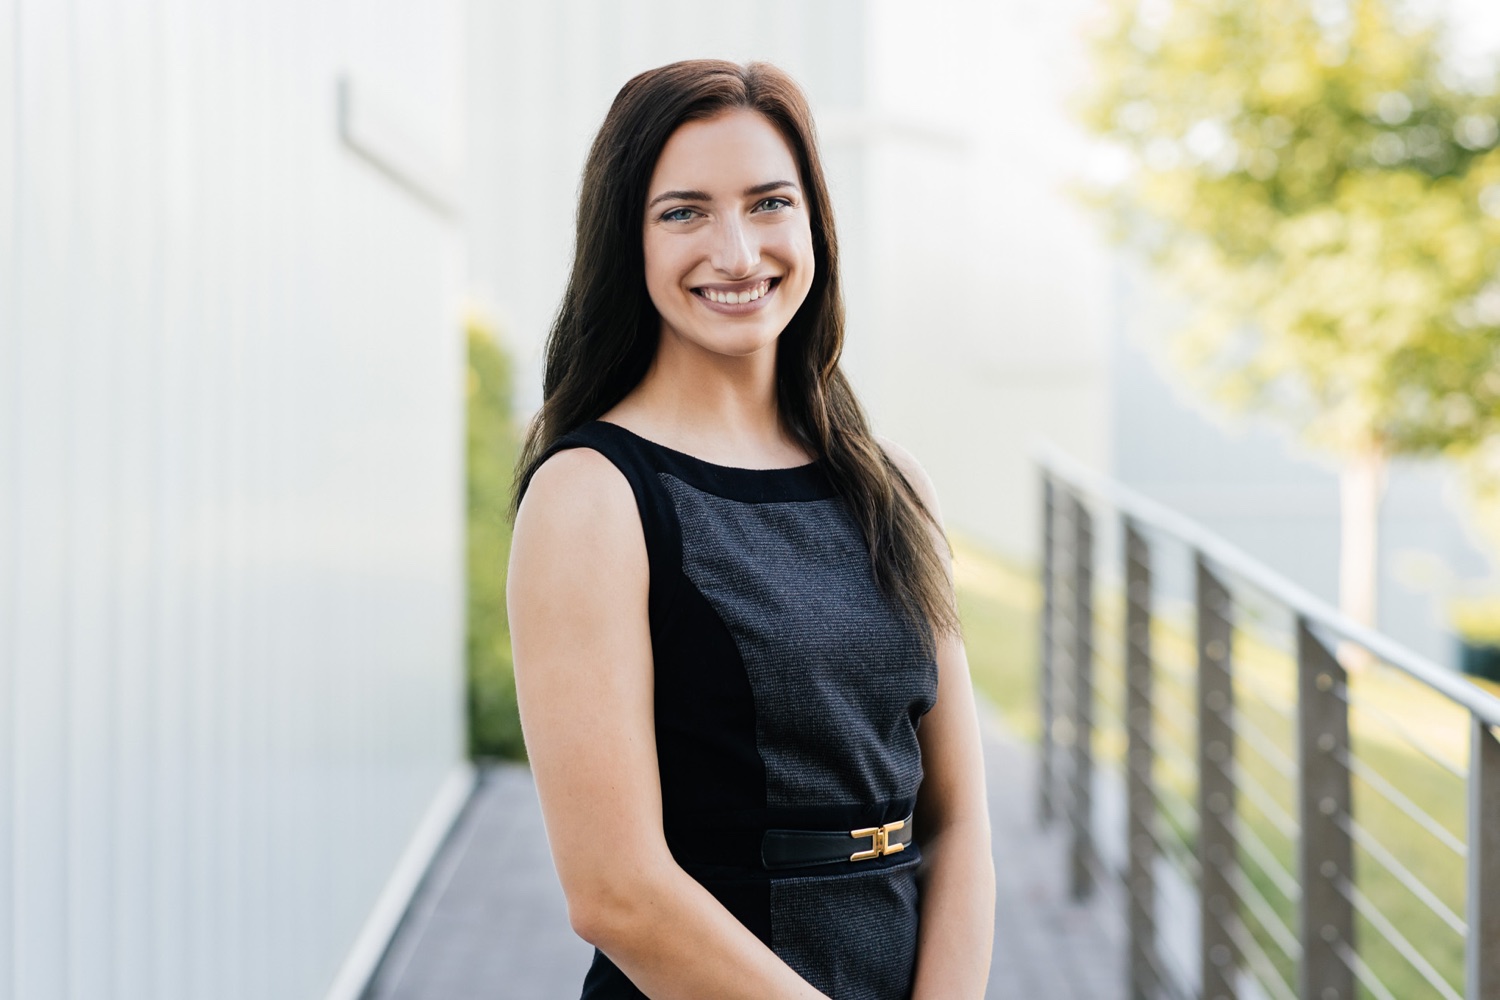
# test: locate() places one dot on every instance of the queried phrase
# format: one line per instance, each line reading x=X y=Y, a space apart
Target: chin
x=739 y=346
x=726 y=340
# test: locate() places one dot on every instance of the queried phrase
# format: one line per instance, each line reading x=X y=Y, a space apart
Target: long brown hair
x=606 y=330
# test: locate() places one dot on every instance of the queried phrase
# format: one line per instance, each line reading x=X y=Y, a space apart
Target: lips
x=738 y=294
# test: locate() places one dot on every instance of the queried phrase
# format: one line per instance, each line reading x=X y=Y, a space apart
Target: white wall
x=990 y=285
x=230 y=491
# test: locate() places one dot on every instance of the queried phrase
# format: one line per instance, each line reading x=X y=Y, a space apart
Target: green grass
x=999 y=603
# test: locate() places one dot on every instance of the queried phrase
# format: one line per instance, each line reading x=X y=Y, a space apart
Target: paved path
x=489 y=921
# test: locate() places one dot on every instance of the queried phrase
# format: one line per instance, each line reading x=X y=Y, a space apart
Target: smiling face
x=728 y=236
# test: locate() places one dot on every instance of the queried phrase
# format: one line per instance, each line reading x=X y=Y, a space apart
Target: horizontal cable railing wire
x=1265 y=859
x=1405 y=733
x=1362 y=972
x=1222 y=553
x=1193 y=701
x=1393 y=936
x=1371 y=845
x=1176 y=851
x=1263 y=800
x=1264 y=745
x=1265 y=914
x=1406 y=806
x=1267 y=974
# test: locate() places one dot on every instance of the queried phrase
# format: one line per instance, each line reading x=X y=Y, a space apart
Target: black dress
x=788 y=691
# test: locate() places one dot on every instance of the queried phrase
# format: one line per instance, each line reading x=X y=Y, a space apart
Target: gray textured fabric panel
x=854 y=937
x=838 y=676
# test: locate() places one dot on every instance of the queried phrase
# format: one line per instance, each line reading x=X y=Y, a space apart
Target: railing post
x=1140 y=791
x=1082 y=798
x=1217 y=851
x=1045 y=807
x=1483 y=944
x=1325 y=854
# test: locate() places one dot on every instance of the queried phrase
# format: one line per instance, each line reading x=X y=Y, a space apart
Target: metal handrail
x=1146 y=511
x=1319 y=826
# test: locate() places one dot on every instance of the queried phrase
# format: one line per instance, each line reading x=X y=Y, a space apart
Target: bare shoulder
x=909 y=467
x=579 y=508
x=577 y=484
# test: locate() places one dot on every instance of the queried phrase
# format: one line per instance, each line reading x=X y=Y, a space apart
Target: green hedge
x=493 y=441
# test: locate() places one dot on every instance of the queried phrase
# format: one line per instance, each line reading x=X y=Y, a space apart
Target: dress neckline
x=734 y=470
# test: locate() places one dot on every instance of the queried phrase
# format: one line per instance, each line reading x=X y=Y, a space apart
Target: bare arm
x=957 y=926
x=577 y=594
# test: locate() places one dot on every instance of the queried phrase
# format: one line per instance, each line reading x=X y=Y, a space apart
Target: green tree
x=1325 y=189
x=493 y=443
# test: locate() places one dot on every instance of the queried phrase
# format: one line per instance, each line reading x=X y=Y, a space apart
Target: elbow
x=587 y=921
x=608 y=913
x=593 y=921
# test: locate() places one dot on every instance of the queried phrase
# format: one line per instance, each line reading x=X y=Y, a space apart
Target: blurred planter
x=1477 y=622
x=1479 y=660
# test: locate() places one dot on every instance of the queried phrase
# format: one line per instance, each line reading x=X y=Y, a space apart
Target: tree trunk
x=1361 y=488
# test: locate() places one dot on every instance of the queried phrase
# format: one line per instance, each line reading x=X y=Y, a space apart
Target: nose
x=736 y=251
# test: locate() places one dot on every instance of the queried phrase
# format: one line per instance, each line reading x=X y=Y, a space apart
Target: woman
x=730 y=606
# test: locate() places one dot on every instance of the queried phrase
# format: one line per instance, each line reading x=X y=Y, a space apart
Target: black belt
x=800 y=848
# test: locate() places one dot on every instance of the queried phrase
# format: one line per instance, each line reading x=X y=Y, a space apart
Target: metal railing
x=1281 y=770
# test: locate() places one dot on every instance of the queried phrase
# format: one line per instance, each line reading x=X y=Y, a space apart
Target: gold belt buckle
x=880 y=842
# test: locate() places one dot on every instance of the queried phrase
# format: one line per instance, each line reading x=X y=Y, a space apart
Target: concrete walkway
x=489 y=922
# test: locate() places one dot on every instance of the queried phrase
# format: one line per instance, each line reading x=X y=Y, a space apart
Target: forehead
x=724 y=154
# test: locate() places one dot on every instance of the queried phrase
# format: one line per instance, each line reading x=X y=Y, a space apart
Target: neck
x=719 y=408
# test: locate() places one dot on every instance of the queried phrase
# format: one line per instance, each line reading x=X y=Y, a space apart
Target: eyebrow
x=750 y=192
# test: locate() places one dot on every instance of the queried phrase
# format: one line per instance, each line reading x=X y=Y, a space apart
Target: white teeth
x=737 y=298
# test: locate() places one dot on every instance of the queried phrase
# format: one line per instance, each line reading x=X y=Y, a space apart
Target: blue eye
x=678 y=215
x=773 y=204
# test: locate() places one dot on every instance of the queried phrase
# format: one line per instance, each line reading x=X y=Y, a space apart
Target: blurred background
x=274 y=283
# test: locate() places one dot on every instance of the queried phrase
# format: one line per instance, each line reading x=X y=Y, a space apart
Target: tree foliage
x=1326 y=190
x=493 y=443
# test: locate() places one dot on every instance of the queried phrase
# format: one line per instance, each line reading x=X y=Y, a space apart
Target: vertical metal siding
x=9 y=471
x=43 y=719
x=93 y=351
x=231 y=492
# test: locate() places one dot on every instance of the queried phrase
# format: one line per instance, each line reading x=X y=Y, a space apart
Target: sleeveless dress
x=788 y=691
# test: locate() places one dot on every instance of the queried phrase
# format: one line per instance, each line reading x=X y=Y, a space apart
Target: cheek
x=805 y=244
x=802 y=250
x=660 y=272
x=792 y=245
